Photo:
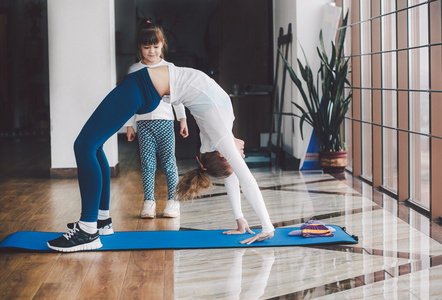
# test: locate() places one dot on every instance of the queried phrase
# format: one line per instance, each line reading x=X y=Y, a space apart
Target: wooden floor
x=398 y=255
x=30 y=201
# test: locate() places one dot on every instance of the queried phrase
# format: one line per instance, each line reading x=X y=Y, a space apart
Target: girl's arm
x=130 y=133
x=184 y=131
x=232 y=187
x=180 y=113
x=249 y=187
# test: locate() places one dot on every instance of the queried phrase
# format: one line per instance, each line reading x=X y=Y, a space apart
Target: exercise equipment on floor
x=189 y=239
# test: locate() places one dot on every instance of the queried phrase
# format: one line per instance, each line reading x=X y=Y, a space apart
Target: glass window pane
x=389 y=97
x=388 y=6
x=390 y=159
x=420 y=169
x=346 y=7
x=389 y=137
x=417 y=24
x=348 y=137
x=366 y=110
x=419 y=103
x=389 y=32
x=419 y=69
x=366 y=151
x=419 y=112
x=348 y=128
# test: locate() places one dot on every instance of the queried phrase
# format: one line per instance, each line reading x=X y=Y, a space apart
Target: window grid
x=417 y=49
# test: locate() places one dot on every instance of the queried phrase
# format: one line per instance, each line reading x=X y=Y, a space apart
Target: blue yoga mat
x=195 y=239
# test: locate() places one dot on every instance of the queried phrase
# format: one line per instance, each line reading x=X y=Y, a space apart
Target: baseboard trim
x=67 y=173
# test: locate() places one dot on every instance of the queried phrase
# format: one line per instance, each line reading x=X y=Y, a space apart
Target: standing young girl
x=155 y=130
x=141 y=92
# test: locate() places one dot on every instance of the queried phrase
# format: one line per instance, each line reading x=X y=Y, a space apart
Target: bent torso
x=160 y=79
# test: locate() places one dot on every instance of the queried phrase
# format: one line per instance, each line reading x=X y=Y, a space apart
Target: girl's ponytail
x=196 y=181
x=192 y=185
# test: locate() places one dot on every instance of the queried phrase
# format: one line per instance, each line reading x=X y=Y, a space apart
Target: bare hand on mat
x=243 y=226
x=262 y=236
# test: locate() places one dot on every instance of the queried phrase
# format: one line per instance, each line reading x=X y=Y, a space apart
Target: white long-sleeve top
x=164 y=110
x=212 y=109
x=209 y=104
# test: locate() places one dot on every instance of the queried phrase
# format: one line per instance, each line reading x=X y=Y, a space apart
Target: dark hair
x=149 y=33
x=195 y=181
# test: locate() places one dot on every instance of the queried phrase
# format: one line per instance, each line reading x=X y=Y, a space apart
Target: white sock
x=103 y=214
x=89 y=227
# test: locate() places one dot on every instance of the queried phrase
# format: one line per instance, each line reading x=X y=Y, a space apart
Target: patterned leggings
x=157 y=136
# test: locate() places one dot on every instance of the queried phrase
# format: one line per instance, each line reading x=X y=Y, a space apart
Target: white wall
x=81 y=37
x=307 y=18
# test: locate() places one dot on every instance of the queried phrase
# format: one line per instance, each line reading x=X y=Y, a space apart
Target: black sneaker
x=104 y=226
x=76 y=240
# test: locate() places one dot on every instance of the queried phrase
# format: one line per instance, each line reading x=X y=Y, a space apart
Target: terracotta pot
x=332 y=162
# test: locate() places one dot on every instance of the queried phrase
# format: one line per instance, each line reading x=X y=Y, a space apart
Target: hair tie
x=201 y=165
x=148 y=21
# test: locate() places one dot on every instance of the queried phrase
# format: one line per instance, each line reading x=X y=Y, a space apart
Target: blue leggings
x=136 y=94
x=157 y=136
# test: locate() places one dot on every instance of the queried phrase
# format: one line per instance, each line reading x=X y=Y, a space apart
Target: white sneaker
x=172 y=209
x=149 y=209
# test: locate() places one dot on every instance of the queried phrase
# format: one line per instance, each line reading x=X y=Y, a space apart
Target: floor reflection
x=225 y=273
x=396 y=257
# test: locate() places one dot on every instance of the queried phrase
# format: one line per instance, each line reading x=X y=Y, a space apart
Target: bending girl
x=139 y=93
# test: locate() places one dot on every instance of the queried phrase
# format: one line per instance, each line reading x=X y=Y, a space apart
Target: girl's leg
x=92 y=165
x=249 y=186
x=105 y=172
x=165 y=137
x=136 y=94
x=148 y=149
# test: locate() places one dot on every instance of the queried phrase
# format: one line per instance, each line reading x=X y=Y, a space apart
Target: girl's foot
x=104 y=226
x=76 y=240
x=172 y=209
x=149 y=210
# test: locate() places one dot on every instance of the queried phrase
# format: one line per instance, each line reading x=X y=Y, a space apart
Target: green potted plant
x=326 y=104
